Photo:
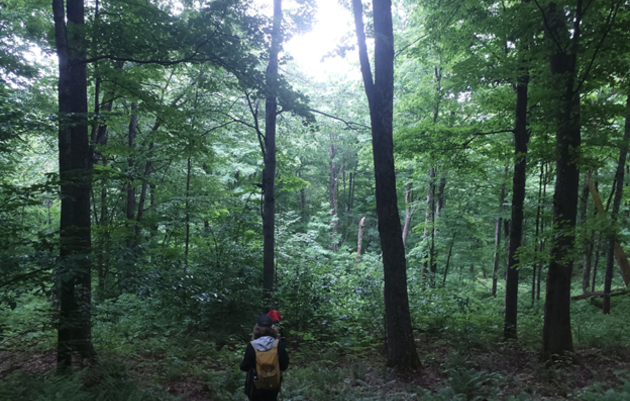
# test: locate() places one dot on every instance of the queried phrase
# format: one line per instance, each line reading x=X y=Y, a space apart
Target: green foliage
x=105 y=382
x=598 y=393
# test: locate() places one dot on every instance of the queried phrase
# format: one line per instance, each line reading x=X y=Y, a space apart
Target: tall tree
x=557 y=338
x=75 y=165
x=401 y=350
x=521 y=138
x=269 y=172
x=619 y=176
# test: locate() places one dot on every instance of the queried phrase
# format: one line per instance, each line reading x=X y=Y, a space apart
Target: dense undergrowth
x=150 y=351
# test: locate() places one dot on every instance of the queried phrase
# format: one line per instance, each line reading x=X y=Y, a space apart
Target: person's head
x=264 y=327
x=266 y=309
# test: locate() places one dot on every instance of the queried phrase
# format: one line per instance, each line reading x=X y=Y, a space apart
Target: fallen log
x=599 y=294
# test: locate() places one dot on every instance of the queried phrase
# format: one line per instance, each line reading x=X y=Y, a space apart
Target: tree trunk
x=75 y=168
x=588 y=239
x=521 y=137
x=131 y=190
x=269 y=172
x=619 y=177
x=598 y=247
x=409 y=211
x=360 y=238
x=187 y=207
x=448 y=260
x=542 y=229
x=333 y=185
x=428 y=219
x=401 y=350
x=557 y=339
x=439 y=204
x=497 y=238
x=536 y=237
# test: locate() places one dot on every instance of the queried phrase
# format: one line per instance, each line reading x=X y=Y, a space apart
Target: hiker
x=265 y=358
x=275 y=316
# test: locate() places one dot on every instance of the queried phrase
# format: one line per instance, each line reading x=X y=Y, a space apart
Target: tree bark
x=269 y=172
x=75 y=168
x=333 y=187
x=360 y=238
x=448 y=260
x=588 y=239
x=521 y=137
x=497 y=237
x=619 y=178
x=536 y=237
x=428 y=219
x=557 y=338
x=131 y=190
x=401 y=350
x=187 y=207
x=409 y=211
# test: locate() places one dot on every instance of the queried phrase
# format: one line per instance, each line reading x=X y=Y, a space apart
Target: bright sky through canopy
x=333 y=22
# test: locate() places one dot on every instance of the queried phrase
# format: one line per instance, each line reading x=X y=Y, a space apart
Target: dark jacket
x=249 y=365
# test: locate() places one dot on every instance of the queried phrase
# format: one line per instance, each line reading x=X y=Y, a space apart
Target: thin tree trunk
x=588 y=236
x=542 y=229
x=428 y=218
x=401 y=351
x=597 y=252
x=439 y=204
x=521 y=138
x=148 y=167
x=409 y=211
x=497 y=237
x=619 y=178
x=360 y=238
x=333 y=185
x=131 y=190
x=448 y=261
x=269 y=172
x=187 y=240
x=536 y=237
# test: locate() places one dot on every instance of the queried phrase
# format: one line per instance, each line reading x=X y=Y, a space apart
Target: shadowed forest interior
x=442 y=216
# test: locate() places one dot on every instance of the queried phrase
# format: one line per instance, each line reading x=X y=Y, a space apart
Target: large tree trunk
x=557 y=338
x=619 y=177
x=75 y=167
x=521 y=137
x=269 y=172
x=401 y=350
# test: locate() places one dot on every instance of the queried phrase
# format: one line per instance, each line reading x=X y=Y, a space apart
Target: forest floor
x=498 y=371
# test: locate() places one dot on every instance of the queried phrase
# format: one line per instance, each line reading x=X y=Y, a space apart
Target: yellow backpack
x=267 y=368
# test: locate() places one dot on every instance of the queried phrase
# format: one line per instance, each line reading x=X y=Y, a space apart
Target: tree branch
x=357 y=8
x=553 y=35
x=478 y=134
x=609 y=22
x=349 y=124
x=259 y=133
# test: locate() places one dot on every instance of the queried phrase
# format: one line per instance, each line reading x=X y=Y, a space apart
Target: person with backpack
x=265 y=359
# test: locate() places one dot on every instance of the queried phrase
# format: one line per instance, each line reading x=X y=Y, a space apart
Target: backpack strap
x=275 y=343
